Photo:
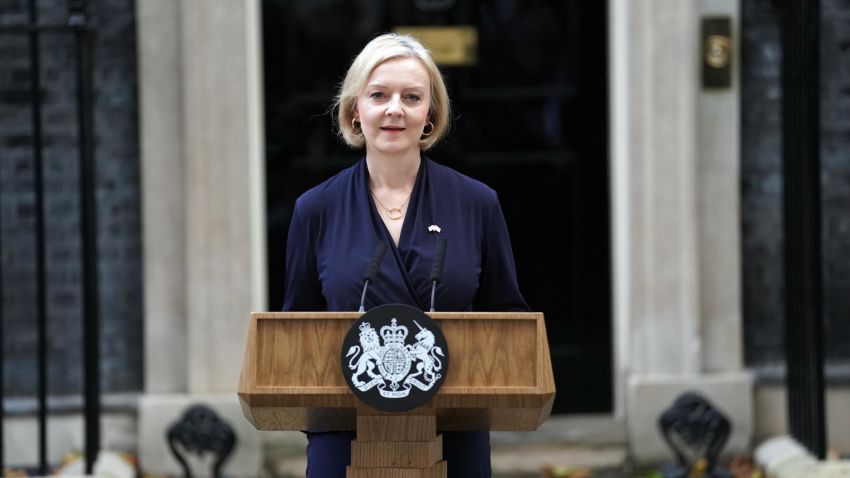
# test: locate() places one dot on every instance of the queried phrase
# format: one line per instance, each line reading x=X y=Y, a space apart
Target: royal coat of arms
x=392 y=365
x=388 y=369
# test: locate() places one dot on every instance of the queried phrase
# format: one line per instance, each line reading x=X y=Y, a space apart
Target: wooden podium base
x=397 y=446
x=436 y=471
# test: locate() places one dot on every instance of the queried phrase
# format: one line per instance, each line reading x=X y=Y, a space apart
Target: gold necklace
x=394 y=213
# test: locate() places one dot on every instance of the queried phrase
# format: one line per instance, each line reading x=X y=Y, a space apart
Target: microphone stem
x=363 y=295
x=433 y=291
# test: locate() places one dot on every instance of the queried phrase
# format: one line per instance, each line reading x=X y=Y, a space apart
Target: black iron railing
x=800 y=26
x=2 y=350
x=79 y=26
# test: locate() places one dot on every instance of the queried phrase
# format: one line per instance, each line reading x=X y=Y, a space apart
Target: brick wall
x=761 y=170
x=835 y=176
x=761 y=166
x=118 y=215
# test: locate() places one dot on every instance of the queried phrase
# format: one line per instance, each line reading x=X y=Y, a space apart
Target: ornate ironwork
x=696 y=431
x=200 y=430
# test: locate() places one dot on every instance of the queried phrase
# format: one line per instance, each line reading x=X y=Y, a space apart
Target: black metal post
x=78 y=19
x=41 y=298
x=802 y=201
x=2 y=349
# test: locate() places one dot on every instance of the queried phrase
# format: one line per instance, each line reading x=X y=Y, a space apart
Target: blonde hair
x=377 y=51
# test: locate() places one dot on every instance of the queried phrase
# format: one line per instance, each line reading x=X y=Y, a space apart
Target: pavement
x=558 y=459
x=508 y=460
x=566 y=447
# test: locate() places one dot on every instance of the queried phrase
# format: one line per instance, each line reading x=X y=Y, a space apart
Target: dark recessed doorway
x=531 y=121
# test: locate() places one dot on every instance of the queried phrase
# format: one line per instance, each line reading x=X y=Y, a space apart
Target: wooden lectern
x=500 y=378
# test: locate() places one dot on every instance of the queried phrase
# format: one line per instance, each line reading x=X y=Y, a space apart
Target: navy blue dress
x=332 y=237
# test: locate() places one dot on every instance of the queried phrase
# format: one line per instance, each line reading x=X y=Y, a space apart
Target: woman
x=393 y=101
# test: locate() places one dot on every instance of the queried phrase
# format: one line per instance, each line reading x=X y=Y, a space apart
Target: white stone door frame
x=203 y=201
x=674 y=182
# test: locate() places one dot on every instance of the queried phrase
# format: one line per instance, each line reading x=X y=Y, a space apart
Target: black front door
x=530 y=120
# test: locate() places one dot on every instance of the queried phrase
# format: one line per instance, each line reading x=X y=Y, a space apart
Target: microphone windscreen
x=439 y=256
x=377 y=257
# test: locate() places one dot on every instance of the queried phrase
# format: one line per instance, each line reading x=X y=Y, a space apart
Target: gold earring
x=429 y=132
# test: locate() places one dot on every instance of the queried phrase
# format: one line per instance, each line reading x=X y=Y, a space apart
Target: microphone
x=437 y=268
x=372 y=270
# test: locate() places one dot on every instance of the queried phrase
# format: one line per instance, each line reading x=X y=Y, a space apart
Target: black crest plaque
x=395 y=358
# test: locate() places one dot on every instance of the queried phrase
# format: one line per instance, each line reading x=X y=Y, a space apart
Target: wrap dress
x=332 y=238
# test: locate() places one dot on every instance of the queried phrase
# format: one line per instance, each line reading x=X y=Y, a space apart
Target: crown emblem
x=393 y=333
